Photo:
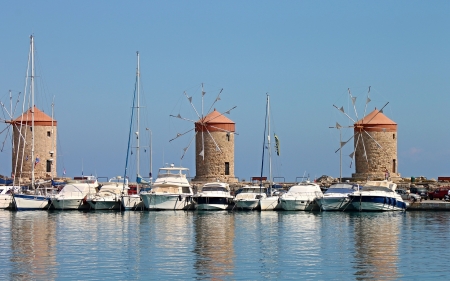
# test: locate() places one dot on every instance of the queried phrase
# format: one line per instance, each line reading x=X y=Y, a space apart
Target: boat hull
x=377 y=203
x=131 y=202
x=334 y=203
x=104 y=204
x=5 y=201
x=247 y=204
x=211 y=207
x=25 y=202
x=69 y=204
x=211 y=203
x=270 y=203
x=167 y=202
x=298 y=204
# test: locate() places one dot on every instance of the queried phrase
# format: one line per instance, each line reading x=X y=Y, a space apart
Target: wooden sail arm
x=216 y=100
x=342 y=110
x=182 y=118
x=179 y=135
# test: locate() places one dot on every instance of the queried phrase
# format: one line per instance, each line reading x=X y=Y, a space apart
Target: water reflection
x=214 y=250
x=33 y=246
x=376 y=245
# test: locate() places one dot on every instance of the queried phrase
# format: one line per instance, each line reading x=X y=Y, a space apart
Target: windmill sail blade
x=217 y=146
x=367 y=102
x=182 y=118
x=379 y=111
x=364 y=148
x=179 y=135
x=372 y=139
x=202 y=153
x=187 y=147
x=344 y=143
x=223 y=130
x=190 y=101
x=342 y=110
x=217 y=99
x=354 y=103
x=228 y=112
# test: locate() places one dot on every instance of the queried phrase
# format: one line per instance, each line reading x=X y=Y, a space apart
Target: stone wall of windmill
x=373 y=160
x=45 y=132
x=215 y=137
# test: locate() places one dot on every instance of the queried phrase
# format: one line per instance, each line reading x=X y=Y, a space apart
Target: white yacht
x=6 y=192
x=301 y=197
x=109 y=195
x=336 y=197
x=74 y=194
x=170 y=191
x=378 y=196
x=213 y=196
x=249 y=197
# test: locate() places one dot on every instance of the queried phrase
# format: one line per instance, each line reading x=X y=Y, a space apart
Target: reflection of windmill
x=214 y=142
x=375 y=142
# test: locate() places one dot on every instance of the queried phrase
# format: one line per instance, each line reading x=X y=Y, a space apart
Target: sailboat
x=271 y=202
x=256 y=197
x=133 y=201
x=36 y=198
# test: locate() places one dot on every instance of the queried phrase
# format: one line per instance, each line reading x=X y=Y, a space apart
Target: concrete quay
x=429 y=205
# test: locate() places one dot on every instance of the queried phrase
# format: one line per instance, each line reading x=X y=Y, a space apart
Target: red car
x=438 y=193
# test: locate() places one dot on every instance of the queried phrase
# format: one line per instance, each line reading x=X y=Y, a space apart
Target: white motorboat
x=74 y=194
x=249 y=197
x=213 y=196
x=6 y=192
x=336 y=197
x=378 y=196
x=109 y=195
x=270 y=203
x=170 y=191
x=301 y=197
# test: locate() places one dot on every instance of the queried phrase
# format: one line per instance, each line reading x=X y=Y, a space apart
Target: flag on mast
x=277 y=144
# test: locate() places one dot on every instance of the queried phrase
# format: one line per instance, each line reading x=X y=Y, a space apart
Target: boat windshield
x=171 y=189
x=339 y=190
x=214 y=188
x=376 y=188
x=342 y=188
x=254 y=190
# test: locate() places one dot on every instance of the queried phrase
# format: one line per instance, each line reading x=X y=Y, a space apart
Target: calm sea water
x=224 y=245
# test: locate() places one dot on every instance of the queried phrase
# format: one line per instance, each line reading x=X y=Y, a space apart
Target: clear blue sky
x=305 y=54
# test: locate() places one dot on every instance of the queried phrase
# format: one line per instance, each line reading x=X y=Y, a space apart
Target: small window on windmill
x=48 y=166
x=228 y=136
x=393 y=136
x=31 y=129
x=49 y=134
x=227 y=168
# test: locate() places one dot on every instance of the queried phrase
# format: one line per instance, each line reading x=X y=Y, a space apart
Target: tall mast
x=53 y=138
x=33 y=161
x=138 y=75
x=269 y=145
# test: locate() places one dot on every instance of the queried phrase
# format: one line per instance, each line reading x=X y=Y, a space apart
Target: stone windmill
x=375 y=143
x=214 y=143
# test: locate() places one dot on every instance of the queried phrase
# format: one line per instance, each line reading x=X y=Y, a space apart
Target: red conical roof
x=215 y=121
x=40 y=118
x=376 y=121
